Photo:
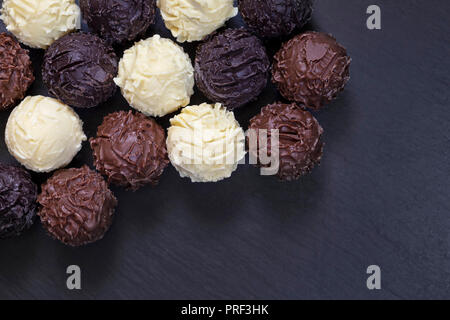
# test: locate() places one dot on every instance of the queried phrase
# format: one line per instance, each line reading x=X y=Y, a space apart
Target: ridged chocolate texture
x=275 y=18
x=17 y=201
x=311 y=69
x=231 y=67
x=130 y=149
x=300 y=144
x=79 y=69
x=77 y=207
x=118 y=21
x=16 y=71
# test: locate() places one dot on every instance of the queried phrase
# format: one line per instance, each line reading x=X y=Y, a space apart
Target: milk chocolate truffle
x=232 y=68
x=130 y=149
x=300 y=144
x=118 y=21
x=79 y=70
x=16 y=73
x=275 y=18
x=77 y=207
x=311 y=69
x=17 y=201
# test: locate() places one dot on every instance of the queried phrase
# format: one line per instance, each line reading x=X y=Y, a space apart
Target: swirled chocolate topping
x=311 y=69
x=232 y=67
x=16 y=72
x=130 y=149
x=76 y=206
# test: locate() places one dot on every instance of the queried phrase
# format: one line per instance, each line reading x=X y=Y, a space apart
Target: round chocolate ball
x=17 y=201
x=275 y=18
x=79 y=69
x=232 y=67
x=300 y=144
x=16 y=72
x=77 y=207
x=130 y=149
x=311 y=69
x=118 y=21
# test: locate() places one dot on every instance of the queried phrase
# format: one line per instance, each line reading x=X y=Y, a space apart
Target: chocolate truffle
x=311 y=69
x=79 y=70
x=300 y=144
x=39 y=23
x=16 y=73
x=232 y=68
x=17 y=201
x=77 y=207
x=275 y=18
x=118 y=21
x=130 y=149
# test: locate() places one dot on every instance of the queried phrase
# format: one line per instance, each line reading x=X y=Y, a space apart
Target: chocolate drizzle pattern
x=130 y=149
x=232 y=67
x=300 y=143
x=17 y=201
x=77 y=206
x=118 y=21
x=79 y=69
x=311 y=69
x=16 y=72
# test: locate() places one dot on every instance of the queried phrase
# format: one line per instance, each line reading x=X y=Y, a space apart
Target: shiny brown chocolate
x=311 y=69
x=118 y=21
x=130 y=149
x=16 y=72
x=79 y=69
x=300 y=144
x=76 y=206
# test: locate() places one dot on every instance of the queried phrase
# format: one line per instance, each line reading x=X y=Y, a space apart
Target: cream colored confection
x=38 y=23
x=43 y=134
x=205 y=143
x=192 y=20
x=156 y=76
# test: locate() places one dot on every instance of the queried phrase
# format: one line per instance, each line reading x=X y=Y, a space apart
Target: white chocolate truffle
x=205 y=143
x=156 y=76
x=192 y=20
x=43 y=134
x=38 y=23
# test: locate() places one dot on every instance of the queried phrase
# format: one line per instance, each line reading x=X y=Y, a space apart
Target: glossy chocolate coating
x=311 y=69
x=300 y=144
x=275 y=18
x=77 y=206
x=118 y=21
x=130 y=149
x=79 y=69
x=232 y=67
x=16 y=72
x=17 y=201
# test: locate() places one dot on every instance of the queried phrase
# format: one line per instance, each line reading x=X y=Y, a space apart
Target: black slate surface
x=381 y=195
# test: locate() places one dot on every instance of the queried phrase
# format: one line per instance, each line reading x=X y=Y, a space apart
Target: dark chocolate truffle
x=311 y=69
x=17 y=201
x=77 y=206
x=275 y=18
x=118 y=21
x=16 y=72
x=130 y=149
x=300 y=144
x=231 y=67
x=79 y=69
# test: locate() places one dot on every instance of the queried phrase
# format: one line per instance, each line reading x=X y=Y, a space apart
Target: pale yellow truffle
x=38 y=23
x=43 y=134
x=205 y=143
x=156 y=76
x=192 y=20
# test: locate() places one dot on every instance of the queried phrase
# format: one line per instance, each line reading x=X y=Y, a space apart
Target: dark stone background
x=381 y=195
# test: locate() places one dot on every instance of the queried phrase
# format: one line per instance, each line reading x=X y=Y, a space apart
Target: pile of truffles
x=204 y=142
